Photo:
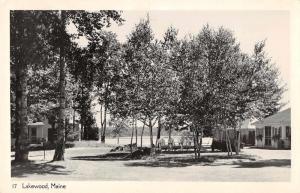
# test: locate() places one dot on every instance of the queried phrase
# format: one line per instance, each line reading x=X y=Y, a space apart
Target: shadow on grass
x=185 y=151
x=205 y=160
x=104 y=157
x=265 y=163
x=24 y=169
x=269 y=148
x=169 y=161
x=237 y=161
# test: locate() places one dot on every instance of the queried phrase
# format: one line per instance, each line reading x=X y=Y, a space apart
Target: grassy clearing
x=93 y=163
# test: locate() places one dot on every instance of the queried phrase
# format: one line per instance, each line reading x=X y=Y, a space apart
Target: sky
x=248 y=27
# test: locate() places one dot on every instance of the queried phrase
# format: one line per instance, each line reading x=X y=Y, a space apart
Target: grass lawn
x=86 y=163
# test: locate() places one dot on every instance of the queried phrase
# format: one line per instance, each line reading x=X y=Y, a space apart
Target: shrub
x=276 y=137
x=259 y=137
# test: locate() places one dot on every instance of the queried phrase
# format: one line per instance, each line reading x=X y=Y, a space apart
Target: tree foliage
x=202 y=81
x=40 y=37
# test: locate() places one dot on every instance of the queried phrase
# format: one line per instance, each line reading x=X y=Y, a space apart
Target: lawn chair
x=171 y=144
x=160 y=143
x=206 y=143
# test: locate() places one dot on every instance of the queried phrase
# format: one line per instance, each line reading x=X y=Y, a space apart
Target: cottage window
x=288 y=131
x=33 y=135
x=33 y=131
x=267 y=135
x=279 y=131
x=260 y=131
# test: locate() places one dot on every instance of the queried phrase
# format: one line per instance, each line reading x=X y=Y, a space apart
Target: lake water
x=146 y=140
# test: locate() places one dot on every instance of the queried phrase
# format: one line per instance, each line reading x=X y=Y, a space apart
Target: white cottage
x=38 y=131
x=43 y=131
x=274 y=131
x=247 y=133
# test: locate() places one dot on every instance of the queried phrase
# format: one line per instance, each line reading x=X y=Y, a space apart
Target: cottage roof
x=247 y=124
x=280 y=118
x=36 y=124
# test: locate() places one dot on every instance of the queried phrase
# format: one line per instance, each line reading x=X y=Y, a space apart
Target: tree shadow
x=104 y=157
x=208 y=158
x=268 y=148
x=243 y=161
x=210 y=161
x=169 y=161
x=265 y=163
x=165 y=164
x=184 y=151
x=23 y=169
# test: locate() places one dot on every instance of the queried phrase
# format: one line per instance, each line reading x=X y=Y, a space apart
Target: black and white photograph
x=149 y=96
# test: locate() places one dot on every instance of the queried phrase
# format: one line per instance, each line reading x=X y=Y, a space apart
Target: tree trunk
x=229 y=143
x=22 y=142
x=104 y=126
x=151 y=137
x=151 y=134
x=73 y=119
x=236 y=142
x=239 y=141
x=104 y=118
x=142 y=134
x=131 y=139
x=85 y=132
x=197 y=144
x=67 y=130
x=101 y=123
x=81 y=131
x=239 y=138
x=158 y=131
x=200 y=144
x=194 y=138
x=136 y=134
x=60 y=143
x=170 y=133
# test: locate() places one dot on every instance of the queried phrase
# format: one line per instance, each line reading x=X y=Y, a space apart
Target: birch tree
x=28 y=45
x=33 y=35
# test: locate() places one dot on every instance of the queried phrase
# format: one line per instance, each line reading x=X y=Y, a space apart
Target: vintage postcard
x=149 y=96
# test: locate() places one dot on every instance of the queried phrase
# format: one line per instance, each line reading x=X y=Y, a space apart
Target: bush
x=221 y=145
x=259 y=137
x=73 y=136
x=48 y=146
x=276 y=137
x=281 y=144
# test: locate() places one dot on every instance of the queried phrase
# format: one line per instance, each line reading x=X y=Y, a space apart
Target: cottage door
x=267 y=136
x=33 y=135
x=251 y=140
